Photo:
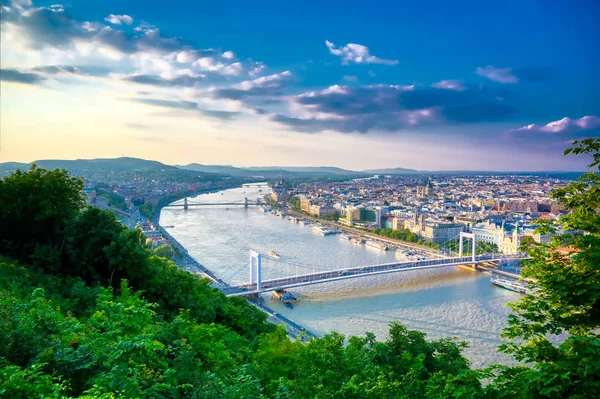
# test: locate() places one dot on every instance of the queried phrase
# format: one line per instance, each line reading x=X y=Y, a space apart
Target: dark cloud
x=265 y=86
x=393 y=108
x=12 y=75
x=180 y=81
x=238 y=94
x=184 y=105
x=181 y=104
x=76 y=70
x=48 y=26
x=53 y=26
x=222 y=115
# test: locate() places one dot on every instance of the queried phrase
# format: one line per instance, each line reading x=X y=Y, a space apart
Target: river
x=448 y=302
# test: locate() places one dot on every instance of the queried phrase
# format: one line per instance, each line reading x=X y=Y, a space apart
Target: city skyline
x=445 y=87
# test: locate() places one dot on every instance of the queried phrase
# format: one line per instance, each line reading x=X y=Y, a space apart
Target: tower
x=516 y=238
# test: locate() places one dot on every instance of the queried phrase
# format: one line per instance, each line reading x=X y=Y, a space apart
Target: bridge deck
x=354 y=272
x=212 y=204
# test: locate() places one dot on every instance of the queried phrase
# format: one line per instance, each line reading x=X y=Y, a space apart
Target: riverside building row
x=501 y=210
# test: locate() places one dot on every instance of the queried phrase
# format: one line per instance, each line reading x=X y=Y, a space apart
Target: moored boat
x=378 y=245
x=357 y=240
x=511 y=285
x=345 y=237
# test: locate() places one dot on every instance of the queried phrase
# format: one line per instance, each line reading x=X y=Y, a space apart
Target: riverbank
x=367 y=235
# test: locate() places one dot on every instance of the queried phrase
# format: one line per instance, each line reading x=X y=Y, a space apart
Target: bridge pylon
x=461 y=246
x=246 y=202
x=185 y=204
x=256 y=265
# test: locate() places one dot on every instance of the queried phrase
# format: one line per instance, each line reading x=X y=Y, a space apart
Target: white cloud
x=350 y=78
x=356 y=53
x=449 y=84
x=257 y=69
x=119 y=19
x=563 y=125
x=502 y=75
x=228 y=55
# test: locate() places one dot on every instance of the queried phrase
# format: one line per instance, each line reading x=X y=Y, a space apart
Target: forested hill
x=87 y=310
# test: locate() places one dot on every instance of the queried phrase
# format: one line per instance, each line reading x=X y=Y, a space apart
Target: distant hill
x=391 y=171
x=305 y=169
x=219 y=169
x=271 y=171
x=127 y=164
x=124 y=164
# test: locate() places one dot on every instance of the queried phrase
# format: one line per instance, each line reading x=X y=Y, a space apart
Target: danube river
x=447 y=302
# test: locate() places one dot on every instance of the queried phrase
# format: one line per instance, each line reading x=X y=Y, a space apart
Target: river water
x=448 y=302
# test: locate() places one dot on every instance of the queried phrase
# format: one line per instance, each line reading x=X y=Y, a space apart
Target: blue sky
x=429 y=85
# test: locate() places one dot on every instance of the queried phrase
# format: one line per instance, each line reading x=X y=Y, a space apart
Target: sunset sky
x=431 y=85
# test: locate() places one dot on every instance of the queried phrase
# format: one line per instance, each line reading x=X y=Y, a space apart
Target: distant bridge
x=187 y=204
x=260 y=184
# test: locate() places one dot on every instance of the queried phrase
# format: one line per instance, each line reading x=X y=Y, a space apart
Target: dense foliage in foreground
x=87 y=310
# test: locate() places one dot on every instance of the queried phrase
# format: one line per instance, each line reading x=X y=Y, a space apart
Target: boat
x=322 y=231
x=284 y=296
x=274 y=255
x=511 y=285
x=378 y=245
x=357 y=240
x=345 y=237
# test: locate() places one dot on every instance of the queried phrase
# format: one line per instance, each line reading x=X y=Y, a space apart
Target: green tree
x=35 y=209
x=89 y=235
x=566 y=299
x=164 y=251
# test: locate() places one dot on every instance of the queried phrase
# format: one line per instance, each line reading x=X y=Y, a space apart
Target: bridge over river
x=258 y=285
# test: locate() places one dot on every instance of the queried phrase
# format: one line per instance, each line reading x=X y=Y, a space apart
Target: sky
x=429 y=85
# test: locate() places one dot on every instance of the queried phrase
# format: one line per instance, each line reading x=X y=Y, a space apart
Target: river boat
x=378 y=245
x=284 y=296
x=357 y=240
x=345 y=237
x=511 y=285
x=322 y=231
x=274 y=255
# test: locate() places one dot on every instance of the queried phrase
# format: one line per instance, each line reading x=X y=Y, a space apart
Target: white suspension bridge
x=265 y=273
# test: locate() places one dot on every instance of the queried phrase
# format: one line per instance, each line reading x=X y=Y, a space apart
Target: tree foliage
x=566 y=278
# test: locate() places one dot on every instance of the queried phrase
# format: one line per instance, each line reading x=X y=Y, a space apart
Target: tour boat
x=284 y=296
x=357 y=240
x=377 y=245
x=511 y=285
x=274 y=255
